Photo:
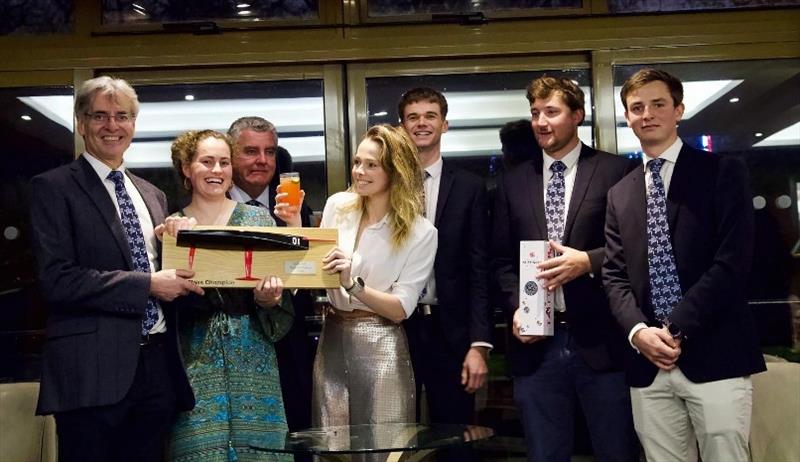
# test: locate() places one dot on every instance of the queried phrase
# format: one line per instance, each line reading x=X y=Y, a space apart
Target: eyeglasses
x=104 y=117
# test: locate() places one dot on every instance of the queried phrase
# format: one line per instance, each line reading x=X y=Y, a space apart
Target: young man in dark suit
x=560 y=196
x=111 y=370
x=679 y=234
x=450 y=331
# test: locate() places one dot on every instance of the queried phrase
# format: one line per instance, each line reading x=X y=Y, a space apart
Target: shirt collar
x=569 y=160
x=239 y=195
x=99 y=167
x=435 y=169
x=669 y=155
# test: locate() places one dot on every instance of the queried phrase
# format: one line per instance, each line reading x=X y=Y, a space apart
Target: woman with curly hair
x=227 y=334
x=385 y=253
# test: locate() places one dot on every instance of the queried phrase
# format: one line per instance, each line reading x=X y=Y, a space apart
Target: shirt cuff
x=633 y=332
x=482 y=344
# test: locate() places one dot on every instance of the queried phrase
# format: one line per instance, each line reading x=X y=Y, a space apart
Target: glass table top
x=387 y=437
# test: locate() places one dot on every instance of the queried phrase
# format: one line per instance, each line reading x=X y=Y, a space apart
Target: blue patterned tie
x=665 y=289
x=554 y=203
x=133 y=231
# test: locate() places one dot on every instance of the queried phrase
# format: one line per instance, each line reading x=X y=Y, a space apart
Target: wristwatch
x=356 y=286
x=675 y=331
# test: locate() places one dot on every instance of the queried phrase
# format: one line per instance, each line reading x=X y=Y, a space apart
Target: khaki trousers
x=674 y=415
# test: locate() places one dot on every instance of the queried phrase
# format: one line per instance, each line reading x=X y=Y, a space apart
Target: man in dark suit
x=257 y=164
x=560 y=196
x=112 y=373
x=679 y=234
x=450 y=331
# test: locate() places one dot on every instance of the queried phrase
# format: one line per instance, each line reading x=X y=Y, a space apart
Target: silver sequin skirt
x=362 y=372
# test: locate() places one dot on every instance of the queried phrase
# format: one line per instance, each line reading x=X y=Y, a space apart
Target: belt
x=560 y=318
x=152 y=339
x=355 y=314
x=425 y=309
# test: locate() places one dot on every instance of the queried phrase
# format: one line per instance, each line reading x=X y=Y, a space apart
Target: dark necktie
x=133 y=231
x=665 y=289
x=424 y=195
x=554 y=202
x=254 y=203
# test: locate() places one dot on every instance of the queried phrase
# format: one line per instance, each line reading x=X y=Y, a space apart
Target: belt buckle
x=424 y=308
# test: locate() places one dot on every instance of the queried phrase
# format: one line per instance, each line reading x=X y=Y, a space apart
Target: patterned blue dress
x=226 y=341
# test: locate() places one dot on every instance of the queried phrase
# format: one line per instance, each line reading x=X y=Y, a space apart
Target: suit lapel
x=92 y=185
x=534 y=191
x=637 y=195
x=587 y=163
x=678 y=185
x=445 y=185
x=150 y=200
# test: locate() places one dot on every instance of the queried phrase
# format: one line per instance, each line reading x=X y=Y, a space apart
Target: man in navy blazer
x=684 y=214
x=450 y=331
x=113 y=382
x=581 y=364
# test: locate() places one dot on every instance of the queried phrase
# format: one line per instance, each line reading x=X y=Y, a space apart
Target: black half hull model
x=240 y=240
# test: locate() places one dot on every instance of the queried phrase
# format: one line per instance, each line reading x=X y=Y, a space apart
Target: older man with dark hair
x=112 y=374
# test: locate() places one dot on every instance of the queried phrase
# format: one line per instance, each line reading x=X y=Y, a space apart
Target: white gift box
x=535 y=302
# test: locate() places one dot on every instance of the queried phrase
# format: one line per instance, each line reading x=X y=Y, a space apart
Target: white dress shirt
x=239 y=195
x=150 y=240
x=571 y=161
x=401 y=272
x=670 y=157
x=433 y=180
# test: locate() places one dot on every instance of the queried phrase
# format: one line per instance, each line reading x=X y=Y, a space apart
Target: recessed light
x=189 y=97
x=244 y=13
x=242 y=6
x=380 y=114
x=733 y=100
x=25 y=117
x=759 y=135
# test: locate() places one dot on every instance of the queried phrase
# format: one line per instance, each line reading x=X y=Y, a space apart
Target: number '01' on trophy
x=535 y=302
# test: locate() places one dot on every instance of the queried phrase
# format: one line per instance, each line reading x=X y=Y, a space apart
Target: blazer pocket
x=67 y=327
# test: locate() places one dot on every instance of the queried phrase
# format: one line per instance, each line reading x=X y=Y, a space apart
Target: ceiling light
x=733 y=100
x=242 y=6
x=25 y=117
x=380 y=114
x=789 y=136
x=189 y=97
x=759 y=135
x=245 y=13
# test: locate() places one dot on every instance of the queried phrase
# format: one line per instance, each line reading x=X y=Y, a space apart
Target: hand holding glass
x=290 y=185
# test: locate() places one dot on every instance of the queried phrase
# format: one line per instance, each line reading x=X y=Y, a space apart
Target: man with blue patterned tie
x=111 y=371
x=679 y=233
x=559 y=196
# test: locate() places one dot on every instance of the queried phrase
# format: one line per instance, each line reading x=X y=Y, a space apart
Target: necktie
x=133 y=231
x=425 y=186
x=254 y=203
x=554 y=202
x=665 y=289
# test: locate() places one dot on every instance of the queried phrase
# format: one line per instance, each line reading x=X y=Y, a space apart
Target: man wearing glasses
x=111 y=372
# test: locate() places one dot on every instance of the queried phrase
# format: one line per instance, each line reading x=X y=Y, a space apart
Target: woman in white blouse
x=362 y=371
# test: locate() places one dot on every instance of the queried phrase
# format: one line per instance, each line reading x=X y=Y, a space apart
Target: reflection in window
x=33 y=142
x=479 y=105
x=158 y=11
x=35 y=16
x=748 y=109
x=411 y=7
x=651 y=6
